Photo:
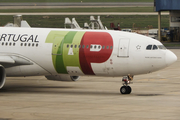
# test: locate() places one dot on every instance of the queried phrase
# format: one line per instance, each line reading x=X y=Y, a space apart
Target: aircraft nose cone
x=170 y=58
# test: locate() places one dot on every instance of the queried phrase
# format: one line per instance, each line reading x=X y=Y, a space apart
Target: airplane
x=66 y=54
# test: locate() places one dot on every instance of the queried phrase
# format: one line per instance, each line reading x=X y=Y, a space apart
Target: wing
x=10 y=61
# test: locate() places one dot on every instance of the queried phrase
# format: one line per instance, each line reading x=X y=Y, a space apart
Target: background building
x=173 y=6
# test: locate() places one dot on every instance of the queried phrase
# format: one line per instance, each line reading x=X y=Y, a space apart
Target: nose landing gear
x=125 y=89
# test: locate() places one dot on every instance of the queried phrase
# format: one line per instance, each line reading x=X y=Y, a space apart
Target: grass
x=111 y=9
x=126 y=21
x=175 y=44
x=30 y=1
x=140 y=21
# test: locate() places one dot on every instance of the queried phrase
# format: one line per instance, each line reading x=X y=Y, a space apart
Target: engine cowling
x=62 y=77
x=2 y=76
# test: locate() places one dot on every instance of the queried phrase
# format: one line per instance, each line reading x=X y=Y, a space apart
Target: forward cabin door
x=123 y=48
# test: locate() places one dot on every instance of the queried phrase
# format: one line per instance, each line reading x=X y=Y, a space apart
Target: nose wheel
x=126 y=89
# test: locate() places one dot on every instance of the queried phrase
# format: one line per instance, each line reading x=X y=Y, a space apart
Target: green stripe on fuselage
x=60 y=57
x=72 y=60
x=55 y=37
x=60 y=66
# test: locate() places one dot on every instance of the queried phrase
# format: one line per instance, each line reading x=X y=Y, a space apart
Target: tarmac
x=154 y=96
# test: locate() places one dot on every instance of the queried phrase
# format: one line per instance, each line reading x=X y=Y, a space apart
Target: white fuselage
x=40 y=51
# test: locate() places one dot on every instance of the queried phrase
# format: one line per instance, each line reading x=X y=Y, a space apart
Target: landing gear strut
x=125 y=89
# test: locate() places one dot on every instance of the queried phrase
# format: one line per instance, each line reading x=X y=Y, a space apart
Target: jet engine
x=2 y=76
x=62 y=77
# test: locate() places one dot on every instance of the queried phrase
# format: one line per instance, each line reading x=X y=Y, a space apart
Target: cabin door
x=58 y=45
x=123 y=48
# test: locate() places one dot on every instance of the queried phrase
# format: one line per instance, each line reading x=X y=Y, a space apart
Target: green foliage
x=76 y=1
x=126 y=21
x=103 y=9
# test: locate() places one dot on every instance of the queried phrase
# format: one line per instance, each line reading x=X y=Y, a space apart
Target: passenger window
x=155 y=47
x=91 y=46
x=107 y=47
x=87 y=46
x=111 y=47
x=71 y=46
x=149 y=47
x=99 y=47
x=79 y=46
x=67 y=46
x=83 y=46
x=95 y=47
x=75 y=46
x=103 y=47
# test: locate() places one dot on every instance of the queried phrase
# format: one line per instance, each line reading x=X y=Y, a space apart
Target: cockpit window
x=155 y=47
x=152 y=47
x=161 y=47
x=149 y=47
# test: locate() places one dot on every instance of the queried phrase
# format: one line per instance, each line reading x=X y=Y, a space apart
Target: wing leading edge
x=12 y=60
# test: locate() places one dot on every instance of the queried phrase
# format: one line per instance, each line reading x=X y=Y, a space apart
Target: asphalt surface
x=81 y=4
x=154 y=96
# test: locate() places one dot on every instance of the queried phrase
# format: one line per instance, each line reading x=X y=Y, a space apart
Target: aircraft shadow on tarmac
x=69 y=90
x=5 y=119
x=51 y=90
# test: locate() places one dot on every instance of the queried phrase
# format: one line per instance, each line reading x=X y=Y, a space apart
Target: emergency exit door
x=57 y=45
x=123 y=48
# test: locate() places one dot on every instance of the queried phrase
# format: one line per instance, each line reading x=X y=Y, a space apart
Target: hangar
x=173 y=6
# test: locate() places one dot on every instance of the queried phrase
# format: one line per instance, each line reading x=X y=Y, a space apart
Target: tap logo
x=79 y=49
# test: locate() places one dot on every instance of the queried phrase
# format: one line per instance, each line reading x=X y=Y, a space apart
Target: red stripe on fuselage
x=87 y=57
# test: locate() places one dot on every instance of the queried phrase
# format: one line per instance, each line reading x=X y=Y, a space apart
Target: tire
x=123 y=90
x=129 y=89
